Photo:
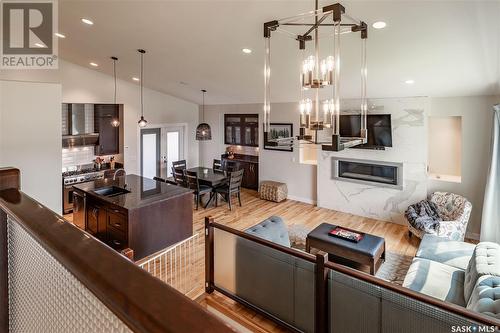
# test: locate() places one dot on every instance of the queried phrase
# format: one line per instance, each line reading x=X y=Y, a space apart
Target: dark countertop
x=143 y=191
x=244 y=158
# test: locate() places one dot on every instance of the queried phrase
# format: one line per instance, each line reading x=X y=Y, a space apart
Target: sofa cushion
x=485 y=296
x=437 y=280
x=272 y=229
x=485 y=261
x=445 y=251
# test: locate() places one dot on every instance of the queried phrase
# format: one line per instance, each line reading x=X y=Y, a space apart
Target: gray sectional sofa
x=461 y=273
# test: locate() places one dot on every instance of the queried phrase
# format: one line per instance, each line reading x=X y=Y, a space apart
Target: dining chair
x=230 y=166
x=193 y=183
x=233 y=186
x=179 y=176
x=217 y=165
x=179 y=164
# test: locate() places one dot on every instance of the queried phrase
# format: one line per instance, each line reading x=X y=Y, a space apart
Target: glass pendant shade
x=203 y=132
x=142 y=122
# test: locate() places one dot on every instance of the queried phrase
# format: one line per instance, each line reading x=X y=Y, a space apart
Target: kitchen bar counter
x=143 y=191
x=137 y=213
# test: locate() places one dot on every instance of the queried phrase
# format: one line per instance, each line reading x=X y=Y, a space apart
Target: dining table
x=210 y=177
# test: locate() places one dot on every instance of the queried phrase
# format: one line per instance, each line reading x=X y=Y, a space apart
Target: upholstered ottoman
x=273 y=191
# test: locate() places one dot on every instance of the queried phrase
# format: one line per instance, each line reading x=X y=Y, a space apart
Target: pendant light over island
x=142 y=122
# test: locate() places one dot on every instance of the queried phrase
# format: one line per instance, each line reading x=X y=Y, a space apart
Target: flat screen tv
x=378 y=126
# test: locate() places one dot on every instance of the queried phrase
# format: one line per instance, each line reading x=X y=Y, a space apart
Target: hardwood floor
x=254 y=211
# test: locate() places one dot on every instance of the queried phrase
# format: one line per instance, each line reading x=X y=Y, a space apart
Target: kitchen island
x=134 y=212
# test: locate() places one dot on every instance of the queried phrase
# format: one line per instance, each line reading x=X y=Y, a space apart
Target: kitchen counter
x=243 y=158
x=143 y=191
x=150 y=217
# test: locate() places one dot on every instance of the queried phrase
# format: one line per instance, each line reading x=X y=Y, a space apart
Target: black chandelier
x=203 y=131
x=317 y=74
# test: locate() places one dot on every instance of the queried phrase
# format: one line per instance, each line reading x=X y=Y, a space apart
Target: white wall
x=80 y=84
x=409 y=147
x=445 y=147
x=273 y=165
x=477 y=115
x=30 y=138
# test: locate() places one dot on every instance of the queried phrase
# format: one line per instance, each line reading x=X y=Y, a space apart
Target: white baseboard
x=304 y=200
x=472 y=235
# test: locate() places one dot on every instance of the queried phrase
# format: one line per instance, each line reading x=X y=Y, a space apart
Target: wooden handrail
x=453 y=308
x=142 y=302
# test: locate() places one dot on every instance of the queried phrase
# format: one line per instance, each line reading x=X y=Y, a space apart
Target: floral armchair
x=454 y=210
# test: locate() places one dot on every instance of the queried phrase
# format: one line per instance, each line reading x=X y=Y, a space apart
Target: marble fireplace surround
x=409 y=135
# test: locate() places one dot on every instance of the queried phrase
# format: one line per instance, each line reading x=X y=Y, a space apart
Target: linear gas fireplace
x=385 y=174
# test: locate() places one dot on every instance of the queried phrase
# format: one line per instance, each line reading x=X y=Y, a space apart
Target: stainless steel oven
x=73 y=178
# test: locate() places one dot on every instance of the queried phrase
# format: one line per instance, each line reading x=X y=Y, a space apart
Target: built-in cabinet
x=241 y=129
x=109 y=136
x=250 y=165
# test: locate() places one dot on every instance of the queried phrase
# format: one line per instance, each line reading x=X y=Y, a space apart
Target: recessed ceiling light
x=247 y=51
x=136 y=79
x=87 y=21
x=410 y=81
x=60 y=35
x=379 y=25
x=39 y=45
x=93 y=64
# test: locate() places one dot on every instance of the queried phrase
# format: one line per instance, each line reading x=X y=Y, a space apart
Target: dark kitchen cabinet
x=109 y=136
x=251 y=166
x=241 y=129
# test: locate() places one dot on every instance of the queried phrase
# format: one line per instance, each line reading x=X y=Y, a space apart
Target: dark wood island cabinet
x=137 y=213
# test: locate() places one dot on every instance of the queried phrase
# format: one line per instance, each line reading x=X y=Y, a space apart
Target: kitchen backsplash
x=245 y=150
x=77 y=156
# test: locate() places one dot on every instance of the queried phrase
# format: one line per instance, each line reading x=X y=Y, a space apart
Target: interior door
x=172 y=148
x=150 y=152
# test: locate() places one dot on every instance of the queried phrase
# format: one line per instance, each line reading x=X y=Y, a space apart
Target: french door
x=159 y=151
x=150 y=152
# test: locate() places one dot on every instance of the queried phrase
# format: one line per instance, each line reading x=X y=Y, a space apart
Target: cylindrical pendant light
x=115 y=122
x=142 y=122
x=203 y=131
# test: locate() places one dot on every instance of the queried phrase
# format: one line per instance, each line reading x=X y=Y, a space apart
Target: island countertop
x=143 y=191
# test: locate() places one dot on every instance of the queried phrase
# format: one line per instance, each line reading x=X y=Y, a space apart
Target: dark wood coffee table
x=368 y=251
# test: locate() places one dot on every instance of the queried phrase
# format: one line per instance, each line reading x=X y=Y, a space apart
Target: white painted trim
x=304 y=200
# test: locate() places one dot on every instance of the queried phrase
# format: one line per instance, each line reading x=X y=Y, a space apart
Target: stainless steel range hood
x=78 y=125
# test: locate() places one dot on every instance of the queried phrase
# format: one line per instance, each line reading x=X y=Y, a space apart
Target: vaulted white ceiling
x=449 y=48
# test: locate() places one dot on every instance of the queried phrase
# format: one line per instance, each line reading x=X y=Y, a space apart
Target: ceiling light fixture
x=379 y=25
x=87 y=21
x=93 y=64
x=246 y=51
x=142 y=122
x=60 y=35
x=203 y=130
x=136 y=79
x=39 y=45
x=115 y=121
x=316 y=113
x=410 y=81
